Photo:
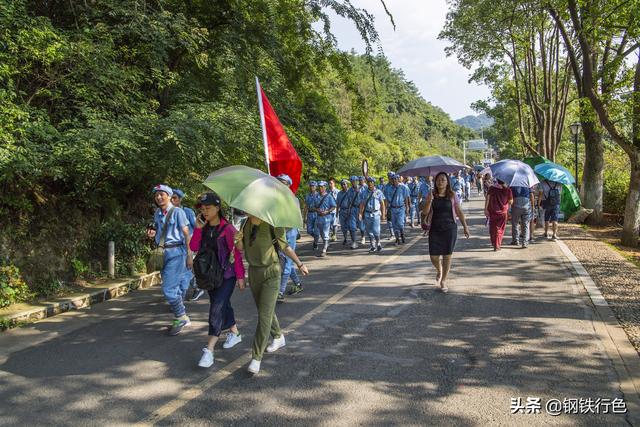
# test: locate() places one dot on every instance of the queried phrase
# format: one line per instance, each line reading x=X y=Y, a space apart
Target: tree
x=612 y=84
x=516 y=41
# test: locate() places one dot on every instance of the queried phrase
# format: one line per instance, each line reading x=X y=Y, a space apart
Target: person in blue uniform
x=352 y=196
x=288 y=271
x=381 y=184
x=176 y=200
x=372 y=209
x=326 y=205
x=362 y=185
x=398 y=202
x=387 y=188
x=344 y=213
x=333 y=191
x=457 y=185
x=310 y=207
x=424 y=188
x=414 y=189
x=177 y=255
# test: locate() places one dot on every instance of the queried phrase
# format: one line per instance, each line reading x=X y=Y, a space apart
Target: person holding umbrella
x=549 y=199
x=440 y=213
x=261 y=242
x=496 y=208
x=270 y=207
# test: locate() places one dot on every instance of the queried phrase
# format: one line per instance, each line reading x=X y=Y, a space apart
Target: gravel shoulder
x=617 y=278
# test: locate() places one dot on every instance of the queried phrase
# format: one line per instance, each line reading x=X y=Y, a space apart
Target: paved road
x=369 y=341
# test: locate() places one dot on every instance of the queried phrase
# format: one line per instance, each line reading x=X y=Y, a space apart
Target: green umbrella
x=258 y=194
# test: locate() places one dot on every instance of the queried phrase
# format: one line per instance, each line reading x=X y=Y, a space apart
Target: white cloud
x=415 y=48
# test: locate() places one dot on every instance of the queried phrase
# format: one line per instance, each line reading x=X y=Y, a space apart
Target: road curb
x=77 y=301
x=622 y=353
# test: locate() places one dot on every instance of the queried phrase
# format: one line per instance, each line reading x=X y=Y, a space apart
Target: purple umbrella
x=431 y=165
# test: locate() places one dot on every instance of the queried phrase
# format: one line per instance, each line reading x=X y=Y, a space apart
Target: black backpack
x=206 y=267
x=553 y=198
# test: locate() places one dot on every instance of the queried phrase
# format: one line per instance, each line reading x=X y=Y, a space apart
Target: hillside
x=475 y=122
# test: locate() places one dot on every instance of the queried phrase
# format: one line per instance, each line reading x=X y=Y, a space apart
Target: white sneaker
x=232 y=339
x=363 y=240
x=207 y=358
x=276 y=344
x=254 y=366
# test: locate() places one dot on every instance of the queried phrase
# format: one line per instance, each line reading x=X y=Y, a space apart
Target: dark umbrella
x=431 y=165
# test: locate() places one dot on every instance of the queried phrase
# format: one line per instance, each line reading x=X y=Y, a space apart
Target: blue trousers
x=372 y=223
x=361 y=226
x=413 y=211
x=347 y=224
x=311 y=223
x=355 y=212
x=175 y=280
x=220 y=311
x=323 y=225
x=397 y=220
x=288 y=270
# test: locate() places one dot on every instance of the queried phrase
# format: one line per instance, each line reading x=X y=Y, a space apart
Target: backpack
x=206 y=266
x=553 y=198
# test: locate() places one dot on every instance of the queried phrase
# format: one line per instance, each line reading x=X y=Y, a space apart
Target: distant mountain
x=475 y=122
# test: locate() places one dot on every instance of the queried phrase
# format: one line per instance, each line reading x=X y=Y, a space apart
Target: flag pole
x=264 y=128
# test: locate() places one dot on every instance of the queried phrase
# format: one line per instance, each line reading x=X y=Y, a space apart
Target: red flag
x=279 y=152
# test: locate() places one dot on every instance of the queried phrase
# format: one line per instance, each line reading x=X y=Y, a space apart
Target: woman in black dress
x=440 y=213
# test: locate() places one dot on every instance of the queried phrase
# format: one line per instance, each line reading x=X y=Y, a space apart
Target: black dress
x=444 y=231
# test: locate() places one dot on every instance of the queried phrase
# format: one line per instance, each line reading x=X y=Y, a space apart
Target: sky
x=414 y=47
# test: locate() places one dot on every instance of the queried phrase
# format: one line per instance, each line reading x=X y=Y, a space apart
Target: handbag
x=155 y=262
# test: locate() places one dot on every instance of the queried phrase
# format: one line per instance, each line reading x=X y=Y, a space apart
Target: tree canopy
x=101 y=99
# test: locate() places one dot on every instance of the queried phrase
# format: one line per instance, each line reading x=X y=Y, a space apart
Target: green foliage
x=12 y=286
x=101 y=100
x=49 y=287
x=81 y=270
x=131 y=244
x=616 y=180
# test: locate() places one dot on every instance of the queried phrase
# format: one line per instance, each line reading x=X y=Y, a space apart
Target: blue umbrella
x=554 y=172
x=514 y=173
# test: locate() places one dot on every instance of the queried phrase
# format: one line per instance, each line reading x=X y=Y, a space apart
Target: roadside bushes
x=131 y=244
x=616 y=180
x=12 y=288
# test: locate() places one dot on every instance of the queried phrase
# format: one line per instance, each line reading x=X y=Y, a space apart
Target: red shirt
x=499 y=201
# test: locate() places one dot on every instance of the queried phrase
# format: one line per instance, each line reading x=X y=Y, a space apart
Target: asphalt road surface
x=369 y=342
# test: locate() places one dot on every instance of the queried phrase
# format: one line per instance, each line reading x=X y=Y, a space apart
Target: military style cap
x=313 y=184
x=371 y=179
x=391 y=174
x=322 y=184
x=162 y=187
x=178 y=192
x=344 y=181
x=353 y=178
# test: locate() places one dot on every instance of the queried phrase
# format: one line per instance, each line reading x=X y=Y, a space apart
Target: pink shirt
x=227 y=234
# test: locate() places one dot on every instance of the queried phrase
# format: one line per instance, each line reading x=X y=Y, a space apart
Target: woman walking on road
x=261 y=242
x=496 y=208
x=214 y=233
x=440 y=212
